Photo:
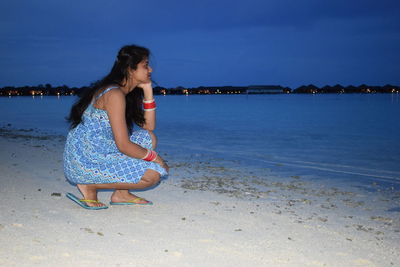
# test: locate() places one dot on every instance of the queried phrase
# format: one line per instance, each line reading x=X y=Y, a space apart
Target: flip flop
x=133 y=202
x=82 y=202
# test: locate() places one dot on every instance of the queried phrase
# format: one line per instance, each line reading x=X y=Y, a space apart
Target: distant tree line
x=48 y=89
x=312 y=89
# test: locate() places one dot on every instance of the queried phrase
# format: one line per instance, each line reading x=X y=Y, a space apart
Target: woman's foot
x=89 y=193
x=122 y=196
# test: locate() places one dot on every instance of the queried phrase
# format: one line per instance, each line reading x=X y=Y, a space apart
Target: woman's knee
x=153 y=139
x=151 y=177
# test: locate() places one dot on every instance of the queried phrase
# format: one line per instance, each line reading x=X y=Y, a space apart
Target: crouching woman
x=102 y=150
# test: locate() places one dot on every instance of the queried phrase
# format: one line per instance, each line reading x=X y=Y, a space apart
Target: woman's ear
x=130 y=72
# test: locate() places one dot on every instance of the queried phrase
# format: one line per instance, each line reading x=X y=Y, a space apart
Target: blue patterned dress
x=92 y=157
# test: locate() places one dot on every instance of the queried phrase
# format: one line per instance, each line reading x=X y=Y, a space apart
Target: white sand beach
x=204 y=214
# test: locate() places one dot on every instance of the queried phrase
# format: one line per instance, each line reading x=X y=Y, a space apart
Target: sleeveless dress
x=92 y=157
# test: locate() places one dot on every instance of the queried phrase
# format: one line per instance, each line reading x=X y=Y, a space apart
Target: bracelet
x=147 y=106
x=150 y=155
x=149 y=101
x=147 y=153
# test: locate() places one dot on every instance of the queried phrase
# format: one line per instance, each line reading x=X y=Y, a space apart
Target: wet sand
x=204 y=214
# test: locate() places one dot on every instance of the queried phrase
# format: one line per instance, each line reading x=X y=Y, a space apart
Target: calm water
x=347 y=136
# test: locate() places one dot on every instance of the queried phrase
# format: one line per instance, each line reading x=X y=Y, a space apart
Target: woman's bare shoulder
x=102 y=90
x=114 y=97
x=115 y=92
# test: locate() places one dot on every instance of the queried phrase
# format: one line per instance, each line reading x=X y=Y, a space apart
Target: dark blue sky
x=207 y=42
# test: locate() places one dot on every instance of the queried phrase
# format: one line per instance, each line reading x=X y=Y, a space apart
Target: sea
x=345 y=137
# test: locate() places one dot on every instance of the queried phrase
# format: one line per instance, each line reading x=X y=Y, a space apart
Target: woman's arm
x=150 y=116
x=114 y=104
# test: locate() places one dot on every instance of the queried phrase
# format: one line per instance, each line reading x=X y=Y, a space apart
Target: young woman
x=102 y=150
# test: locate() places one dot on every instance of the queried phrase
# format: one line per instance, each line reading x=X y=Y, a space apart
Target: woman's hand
x=162 y=163
x=147 y=87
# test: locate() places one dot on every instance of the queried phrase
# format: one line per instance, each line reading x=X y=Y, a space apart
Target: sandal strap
x=135 y=200
x=89 y=200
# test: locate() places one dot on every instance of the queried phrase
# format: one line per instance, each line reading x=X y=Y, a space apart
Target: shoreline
x=204 y=213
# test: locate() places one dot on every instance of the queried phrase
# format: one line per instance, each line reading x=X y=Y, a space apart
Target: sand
x=204 y=214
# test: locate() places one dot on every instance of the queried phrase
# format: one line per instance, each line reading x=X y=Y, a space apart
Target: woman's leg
x=123 y=195
x=89 y=191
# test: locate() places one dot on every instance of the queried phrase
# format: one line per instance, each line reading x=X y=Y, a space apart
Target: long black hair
x=128 y=57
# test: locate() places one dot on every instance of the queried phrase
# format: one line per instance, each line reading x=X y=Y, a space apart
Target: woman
x=102 y=151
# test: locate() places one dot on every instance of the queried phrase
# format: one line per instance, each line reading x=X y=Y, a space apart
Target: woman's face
x=142 y=74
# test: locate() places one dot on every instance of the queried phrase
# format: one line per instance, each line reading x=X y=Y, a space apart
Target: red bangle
x=150 y=156
x=149 y=105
